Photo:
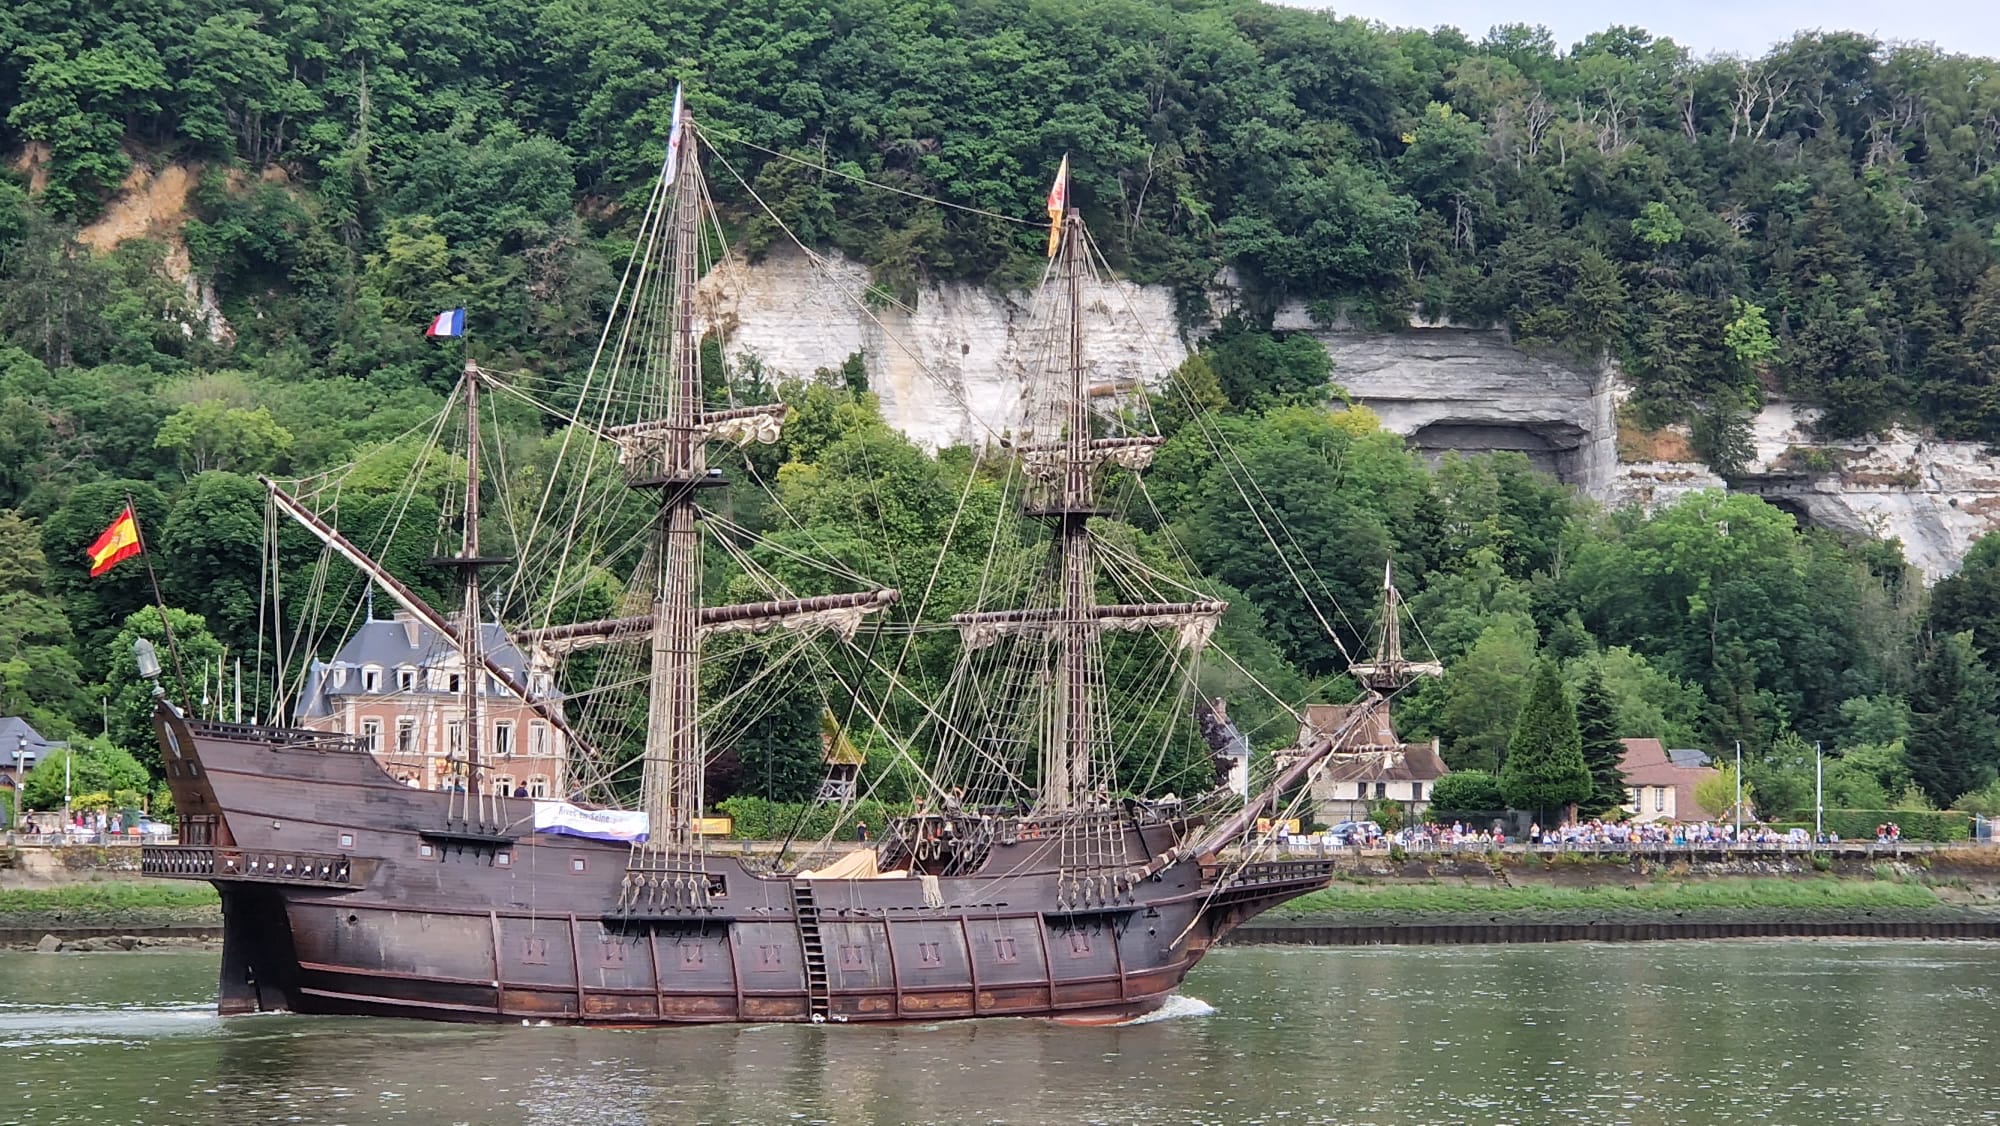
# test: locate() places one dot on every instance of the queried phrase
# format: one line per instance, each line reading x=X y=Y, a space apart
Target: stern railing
x=198 y=862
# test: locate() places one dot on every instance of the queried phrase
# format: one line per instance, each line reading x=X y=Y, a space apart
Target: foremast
x=1063 y=460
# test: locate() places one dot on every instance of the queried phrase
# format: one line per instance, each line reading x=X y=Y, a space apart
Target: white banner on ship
x=598 y=824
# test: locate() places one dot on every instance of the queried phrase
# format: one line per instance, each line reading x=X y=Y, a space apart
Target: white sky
x=1744 y=27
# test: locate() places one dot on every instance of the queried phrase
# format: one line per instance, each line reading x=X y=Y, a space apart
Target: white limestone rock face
x=1454 y=388
x=949 y=368
x=1935 y=496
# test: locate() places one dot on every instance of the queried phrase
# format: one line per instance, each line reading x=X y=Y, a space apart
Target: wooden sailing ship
x=346 y=891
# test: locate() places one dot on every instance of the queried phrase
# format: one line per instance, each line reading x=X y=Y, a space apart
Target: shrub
x=1465 y=790
x=1388 y=814
x=1917 y=824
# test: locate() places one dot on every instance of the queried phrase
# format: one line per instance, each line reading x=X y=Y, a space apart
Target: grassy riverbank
x=1738 y=894
x=136 y=903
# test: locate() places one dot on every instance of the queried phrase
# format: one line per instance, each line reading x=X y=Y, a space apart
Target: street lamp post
x=20 y=768
x=1819 y=792
x=1739 y=791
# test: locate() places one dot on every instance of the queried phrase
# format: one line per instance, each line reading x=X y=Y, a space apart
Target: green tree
x=188 y=665
x=40 y=679
x=781 y=756
x=1953 y=735
x=1867 y=776
x=1717 y=794
x=1545 y=767
x=93 y=765
x=1657 y=226
x=1603 y=751
x=1256 y=370
x=1748 y=335
x=213 y=545
x=211 y=435
x=1484 y=691
x=1969 y=598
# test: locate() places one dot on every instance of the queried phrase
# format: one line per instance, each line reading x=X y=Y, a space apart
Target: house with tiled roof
x=21 y=747
x=398 y=686
x=1374 y=766
x=1661 y=781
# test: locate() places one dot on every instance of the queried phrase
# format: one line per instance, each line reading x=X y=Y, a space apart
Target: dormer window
x=371 y=680
x=454 y=683
x=340 y=676
x=406 y=679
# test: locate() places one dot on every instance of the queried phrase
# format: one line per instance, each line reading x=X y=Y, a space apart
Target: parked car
x=1349 y=833
x=151 y=828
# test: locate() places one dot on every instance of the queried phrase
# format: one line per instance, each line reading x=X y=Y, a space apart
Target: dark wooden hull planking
x=344 y=891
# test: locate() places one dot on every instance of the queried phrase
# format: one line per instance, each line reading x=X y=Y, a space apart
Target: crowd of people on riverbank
x=1594 y=834
x=94 y=826
x=1656 y=833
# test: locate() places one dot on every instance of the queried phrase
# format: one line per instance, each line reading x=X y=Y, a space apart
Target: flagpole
x=166 y=627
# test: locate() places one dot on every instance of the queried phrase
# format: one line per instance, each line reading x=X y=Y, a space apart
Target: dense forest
x=1823 y=221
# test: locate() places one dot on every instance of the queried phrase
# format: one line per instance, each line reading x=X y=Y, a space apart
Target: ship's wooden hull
x=345 y=892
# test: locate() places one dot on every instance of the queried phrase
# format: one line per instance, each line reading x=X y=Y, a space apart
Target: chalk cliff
x=949 y=364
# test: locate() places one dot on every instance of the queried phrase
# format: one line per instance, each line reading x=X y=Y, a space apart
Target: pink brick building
x=397 y=685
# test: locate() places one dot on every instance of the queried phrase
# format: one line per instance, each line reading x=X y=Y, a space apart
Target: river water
x=1758 y=1031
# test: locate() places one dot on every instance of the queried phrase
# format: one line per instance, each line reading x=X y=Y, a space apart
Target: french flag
x=451 y=322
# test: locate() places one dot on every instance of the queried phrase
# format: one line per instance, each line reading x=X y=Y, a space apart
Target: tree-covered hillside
x=1822 y=221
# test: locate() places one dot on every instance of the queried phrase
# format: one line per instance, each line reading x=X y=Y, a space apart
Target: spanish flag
x=118 y=543
x=1058 y=203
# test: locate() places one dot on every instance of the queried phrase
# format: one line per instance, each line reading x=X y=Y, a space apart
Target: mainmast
x=1062 y=460
x=668 y=456
x=675 y=466
x=1069 y=751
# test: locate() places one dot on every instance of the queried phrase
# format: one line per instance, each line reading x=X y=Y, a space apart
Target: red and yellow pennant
x=1058 y=203
x=118 y=543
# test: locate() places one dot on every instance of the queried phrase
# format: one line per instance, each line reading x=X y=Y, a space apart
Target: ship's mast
x=671 y=778
x=471 y=641
x=468 y=627
x=1068 y=749
x=1062 y=460
x=1389 y=670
